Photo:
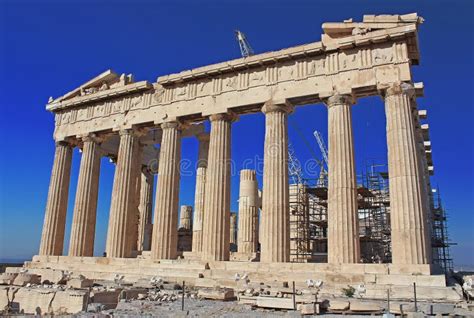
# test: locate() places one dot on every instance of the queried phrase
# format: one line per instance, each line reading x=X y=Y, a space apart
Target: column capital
x=398 y=88
x=171 y=124
x=136 y=132
x=229 y=116
x=339 y=99
x=203 y=137
x=274 y=106
x=92 y=137
x=65 y=143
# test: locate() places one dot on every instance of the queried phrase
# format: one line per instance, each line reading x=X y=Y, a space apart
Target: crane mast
x=245 y=48
x=322 y=146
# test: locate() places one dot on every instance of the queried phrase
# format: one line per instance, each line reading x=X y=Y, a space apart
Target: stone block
x=247 y=300
x=108 y=298
x=437 y=309
x=217 y=294
x=69 y=302
x=133 y=293
x=275 y=302
x=401 y=308
x=363 y=306
x=3 y=297
x=7 y=278
x=22 y=279
x=34 y=301
x=308 y=309
x=79 y=283
x=338 y=305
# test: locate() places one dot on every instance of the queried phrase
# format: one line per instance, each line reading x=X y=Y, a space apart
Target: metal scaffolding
x=439 y=234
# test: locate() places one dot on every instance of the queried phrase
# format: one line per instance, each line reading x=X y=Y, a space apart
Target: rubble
x=23 y=279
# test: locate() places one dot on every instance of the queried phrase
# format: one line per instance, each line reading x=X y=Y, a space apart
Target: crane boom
x=244 y=45
x=322 y=146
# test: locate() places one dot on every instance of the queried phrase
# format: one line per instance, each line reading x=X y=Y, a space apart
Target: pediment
x=102 y=82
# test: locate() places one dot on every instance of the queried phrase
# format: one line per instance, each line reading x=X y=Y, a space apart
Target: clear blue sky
x=47 y=48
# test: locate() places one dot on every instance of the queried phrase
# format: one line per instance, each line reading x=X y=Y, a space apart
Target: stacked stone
x=233 y=229
x=145 y=209
x=185 y=217
x=249 y=204
x=199 y=193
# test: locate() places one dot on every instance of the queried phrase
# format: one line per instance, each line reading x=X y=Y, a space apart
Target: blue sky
x=47 y=48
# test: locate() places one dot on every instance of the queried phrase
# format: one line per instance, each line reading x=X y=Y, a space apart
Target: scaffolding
x=439 y=234
x=374 y=215
x=308 y=216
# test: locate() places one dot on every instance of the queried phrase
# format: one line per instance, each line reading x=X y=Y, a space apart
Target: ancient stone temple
x=124 y=119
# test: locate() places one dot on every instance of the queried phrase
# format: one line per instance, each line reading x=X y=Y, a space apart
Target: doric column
x=343 y=221
x=165 y=233
x=123 y=196
x=410 y=242
x=185 y=217
x=52 y=238
x=135 y=214
x=85 y=207
x=215 y=237
x=199 y=193
x=233 y=229
x=145 y=209
x=247 y=241
x=275 y=227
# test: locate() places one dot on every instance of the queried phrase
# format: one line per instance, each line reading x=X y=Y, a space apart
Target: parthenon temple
x=124 y=119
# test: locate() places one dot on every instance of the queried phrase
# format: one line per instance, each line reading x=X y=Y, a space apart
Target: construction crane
x=294 y=166
x=322 y=146
x=245 y=47
x=323 y=174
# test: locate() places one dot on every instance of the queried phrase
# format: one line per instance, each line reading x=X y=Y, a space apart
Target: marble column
x=199 y=193
x=410 y=242
x=233 y=228
x=52 y=238
x=133 y=223
x=185 y=217
x=123 y=193
x=165 y=232
x=85 y=207
x=275 y=218
x=249 y=204
x=145 y=209
x=343 y=220
x=215 y=237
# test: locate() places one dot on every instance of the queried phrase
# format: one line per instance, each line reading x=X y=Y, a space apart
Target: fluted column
x=215 y=237
x=123 y=193
x=145 y=209
x=199 y=193
x=185 y=217
x=247 y=241
x=275 y=227
x=233 y=228
x=165 y=233
x=134 y=221
x=85 y=207
x=343 y=221
x=410 y=242
x=52 y=237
